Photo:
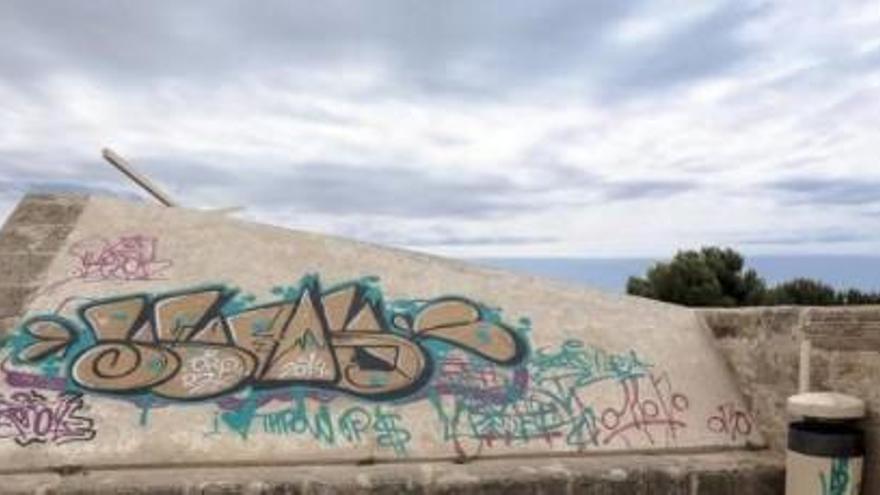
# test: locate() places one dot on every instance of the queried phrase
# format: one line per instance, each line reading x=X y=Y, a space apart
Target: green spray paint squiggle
x=838 y=481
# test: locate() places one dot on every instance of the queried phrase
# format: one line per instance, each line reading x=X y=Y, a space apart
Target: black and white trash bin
x=825 y=446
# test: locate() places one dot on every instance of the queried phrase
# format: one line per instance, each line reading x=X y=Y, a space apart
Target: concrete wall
x=763 y=347
x=148 y=336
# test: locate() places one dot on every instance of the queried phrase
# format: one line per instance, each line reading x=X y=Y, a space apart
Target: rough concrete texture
x=32 y=236
x=763 y=347
x=729 y=473
x=161 y=337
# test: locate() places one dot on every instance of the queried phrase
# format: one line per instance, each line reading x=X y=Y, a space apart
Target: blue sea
x=610 y=274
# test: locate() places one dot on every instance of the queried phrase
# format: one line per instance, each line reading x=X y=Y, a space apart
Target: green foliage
x=855 y=296
x=717 y=277
x=709 y=277
x=802 y=291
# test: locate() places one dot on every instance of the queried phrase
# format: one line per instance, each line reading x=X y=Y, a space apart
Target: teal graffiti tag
x=548 y=399
x=838 y=481
x=389 y=433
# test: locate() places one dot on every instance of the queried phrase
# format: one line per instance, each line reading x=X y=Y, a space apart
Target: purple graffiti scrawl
x=132 y=257
x=128 y=258
x=31 y=417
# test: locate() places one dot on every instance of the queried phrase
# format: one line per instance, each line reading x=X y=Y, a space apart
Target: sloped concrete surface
x=334 y=350
x=123 y=372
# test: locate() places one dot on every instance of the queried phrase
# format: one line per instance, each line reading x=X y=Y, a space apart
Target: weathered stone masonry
x=32 y=237
x=763 y=347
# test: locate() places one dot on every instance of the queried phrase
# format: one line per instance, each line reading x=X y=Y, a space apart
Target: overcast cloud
x=478 y=128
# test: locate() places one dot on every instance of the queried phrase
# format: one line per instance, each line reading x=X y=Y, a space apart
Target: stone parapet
x=727 y=473
x=31 y=238
x=762 y=345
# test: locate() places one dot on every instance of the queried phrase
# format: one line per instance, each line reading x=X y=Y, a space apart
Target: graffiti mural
x=576 y=397
x=32 y=417
x=200 y=344
x=278 y=367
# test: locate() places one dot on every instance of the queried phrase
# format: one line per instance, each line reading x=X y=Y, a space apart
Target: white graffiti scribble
x=209 y=371
x=305 y=367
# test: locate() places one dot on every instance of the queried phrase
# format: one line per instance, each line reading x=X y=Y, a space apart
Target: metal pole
x=139 y=179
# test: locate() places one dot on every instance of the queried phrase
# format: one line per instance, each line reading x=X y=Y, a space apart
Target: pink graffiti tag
x=133 y=257
x=730 y=421
x=30 y=417
x=654 y=403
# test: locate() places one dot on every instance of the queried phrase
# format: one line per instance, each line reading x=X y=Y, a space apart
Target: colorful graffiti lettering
x=202 y=344
x=578 y=395
x=477 y=380
x=730 y=421
x=131 y=257
x=31 y=417
x=838 y=481
x=579 y=365
x=275 y=368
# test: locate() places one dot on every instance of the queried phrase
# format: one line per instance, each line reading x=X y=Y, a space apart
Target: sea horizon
x=610 y=274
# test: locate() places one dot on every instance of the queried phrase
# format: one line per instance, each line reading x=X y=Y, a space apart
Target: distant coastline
x=610 y=274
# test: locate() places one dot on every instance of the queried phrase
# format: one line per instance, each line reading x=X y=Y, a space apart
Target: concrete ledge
x=727 y=473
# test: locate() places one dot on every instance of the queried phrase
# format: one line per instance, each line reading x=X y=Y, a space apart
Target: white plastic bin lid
x=826 y=405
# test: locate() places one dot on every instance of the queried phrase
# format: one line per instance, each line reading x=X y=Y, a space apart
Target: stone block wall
x=30 y=240
x=762 y=345
x=720 y=473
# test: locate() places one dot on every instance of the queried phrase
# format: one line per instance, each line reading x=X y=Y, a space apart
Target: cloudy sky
x=463 y=127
